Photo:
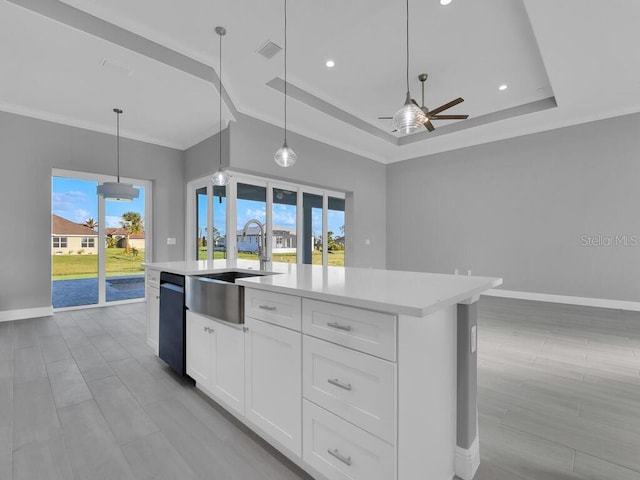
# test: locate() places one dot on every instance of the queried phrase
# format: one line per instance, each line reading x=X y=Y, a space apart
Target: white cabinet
x=153 y=308
x=342 y=451
x=358 y=387
x=274 y=382
x=215 y=359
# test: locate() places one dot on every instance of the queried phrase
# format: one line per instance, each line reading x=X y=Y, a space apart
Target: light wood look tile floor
x=83 y=397
x=558 y=392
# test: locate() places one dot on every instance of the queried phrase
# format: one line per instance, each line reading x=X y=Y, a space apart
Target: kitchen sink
x=217 y=295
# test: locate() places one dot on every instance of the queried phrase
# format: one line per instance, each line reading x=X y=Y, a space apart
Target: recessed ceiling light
x=445 y=2
x=503 y=87
x=330 y=63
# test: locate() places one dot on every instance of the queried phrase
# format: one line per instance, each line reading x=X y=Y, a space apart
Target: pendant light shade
x=220 y=178
x=123 y=192
x=410 y=117
x=285 y=156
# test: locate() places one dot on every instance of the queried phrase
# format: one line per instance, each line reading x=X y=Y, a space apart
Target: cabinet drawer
x=355 y=386
x=276 y=308
x=342 y=451
x=364 y=330
x=153 y=278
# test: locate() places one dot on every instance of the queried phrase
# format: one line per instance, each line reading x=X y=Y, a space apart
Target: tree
x=91 y=223
x=132 y=223
x=331 y=243
x=216 y=236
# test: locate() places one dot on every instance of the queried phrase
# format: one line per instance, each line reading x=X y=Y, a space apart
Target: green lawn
x=68 y=267
x=336 y=258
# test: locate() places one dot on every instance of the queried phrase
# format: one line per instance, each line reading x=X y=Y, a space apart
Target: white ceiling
x=580 y=52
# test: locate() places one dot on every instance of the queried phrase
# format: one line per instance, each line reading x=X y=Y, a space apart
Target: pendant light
x=115 y=190
x=285 y=156
x=409 y=118
x=220 y=178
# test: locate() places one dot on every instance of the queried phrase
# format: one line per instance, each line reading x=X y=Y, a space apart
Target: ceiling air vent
x=115 y=67
x=269 y=49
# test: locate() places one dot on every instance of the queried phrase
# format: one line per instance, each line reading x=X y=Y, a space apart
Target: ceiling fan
x=435 y=113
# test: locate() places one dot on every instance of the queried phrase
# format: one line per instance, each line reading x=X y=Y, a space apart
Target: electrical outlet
x=469 y=272
x=455 y=272
x=171 y=241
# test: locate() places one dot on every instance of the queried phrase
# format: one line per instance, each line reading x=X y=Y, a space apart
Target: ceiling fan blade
x=385 y=118
x=394 y=131
x=449 y=117
x=415 y=103
x=442 y=108
x=429 y=126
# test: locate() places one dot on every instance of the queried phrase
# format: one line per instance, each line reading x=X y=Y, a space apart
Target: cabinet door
x=199 y=349
x=273 y=382
x=228 y=365
x=153 y=317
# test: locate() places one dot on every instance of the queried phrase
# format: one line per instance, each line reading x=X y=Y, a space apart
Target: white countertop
x=410 y=293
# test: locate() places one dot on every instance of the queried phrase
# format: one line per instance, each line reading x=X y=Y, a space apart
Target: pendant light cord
x=285 y=72
x=220 y=101
x=407 y=46
x=118 y=144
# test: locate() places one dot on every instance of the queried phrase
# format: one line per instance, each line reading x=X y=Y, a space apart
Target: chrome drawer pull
x=338 y=383
x=346 y=328
x=339 y=456
x=267 y=307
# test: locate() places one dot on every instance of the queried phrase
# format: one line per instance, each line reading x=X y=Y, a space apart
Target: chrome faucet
x=262 y=244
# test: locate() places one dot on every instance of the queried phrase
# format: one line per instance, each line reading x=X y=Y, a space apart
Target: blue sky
x=76 y=200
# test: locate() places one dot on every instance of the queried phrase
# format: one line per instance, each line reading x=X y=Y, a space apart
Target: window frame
x=231 y=212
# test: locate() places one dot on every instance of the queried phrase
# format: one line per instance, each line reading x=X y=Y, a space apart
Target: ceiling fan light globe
x=408 y=119
x=220 y=178
x=285 y=156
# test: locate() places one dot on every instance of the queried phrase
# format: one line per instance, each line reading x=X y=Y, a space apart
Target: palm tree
x=91 y=223
x=132 y=223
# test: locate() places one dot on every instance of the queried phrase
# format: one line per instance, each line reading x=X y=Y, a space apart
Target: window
x=300 y=224
x=88 y=242
x=284 y=219
x=59 y=242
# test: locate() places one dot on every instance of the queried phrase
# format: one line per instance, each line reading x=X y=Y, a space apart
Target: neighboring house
x=68 y=237
x=339 y=241
x=136 y=240
x=283 y=240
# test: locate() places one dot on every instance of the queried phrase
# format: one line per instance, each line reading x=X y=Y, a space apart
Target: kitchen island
x=352 y=373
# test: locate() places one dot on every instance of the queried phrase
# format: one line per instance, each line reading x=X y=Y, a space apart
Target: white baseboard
x=468 y=460
x=583 y=301
x=9 y=315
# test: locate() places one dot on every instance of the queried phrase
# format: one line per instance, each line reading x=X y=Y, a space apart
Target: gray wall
x=518 y=209
x=29 y=149
x=203 y=159
x=252 y=145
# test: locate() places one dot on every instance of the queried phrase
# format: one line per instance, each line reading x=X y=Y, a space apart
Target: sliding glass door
x=97 y=245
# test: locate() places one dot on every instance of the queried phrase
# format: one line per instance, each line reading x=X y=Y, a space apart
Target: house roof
x=121 y=232
x=62 y=226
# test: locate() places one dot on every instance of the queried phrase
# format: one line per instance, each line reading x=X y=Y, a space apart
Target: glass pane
x=284 y=241
x=312 y=229
x=74 y=238
x=125 y=248
x=219 y=243
x=335 y=233
x=251 y=205
x=201 y=223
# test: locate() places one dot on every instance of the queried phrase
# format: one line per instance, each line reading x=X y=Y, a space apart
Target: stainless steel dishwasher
x=171 y=338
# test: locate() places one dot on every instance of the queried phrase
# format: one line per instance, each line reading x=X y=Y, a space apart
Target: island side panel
x=427 y=395
x=467 y=452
